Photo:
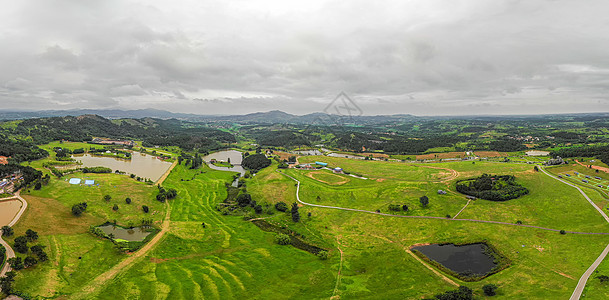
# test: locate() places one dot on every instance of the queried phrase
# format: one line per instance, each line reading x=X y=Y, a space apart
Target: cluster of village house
x=7 y=183
x=317 y=165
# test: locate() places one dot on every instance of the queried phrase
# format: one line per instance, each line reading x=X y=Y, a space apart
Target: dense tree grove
x=29 y=174
x=506 y=145
x=7 y=231
x=492 y=187
x=186 y=135
x=255 y=162
x=20 y=150
x=96 y=170
x=6 y=282
x=600 y=152
x=280 y=138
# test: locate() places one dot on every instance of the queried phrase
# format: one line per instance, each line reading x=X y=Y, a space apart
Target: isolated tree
x=128 y=200
x=115 y=207
x=107 y=198
x=16 y=263
x=281 y=206
x=562 y=231
x=79 y=208
x=603 y=278
x=145 y=208
x=31 y=235
x=424 y=201
x=43 y=257
x=490 y=289
x=161 y=197
x=30 y=261
x=282 y=239
x=7 y=230
x=536 y=169
x=405 y=207
x=395 y=207
x=323 y=254
x=258 y=209
x=21 y=244
x=295 y=213
x=37 y=249
x=171 y=193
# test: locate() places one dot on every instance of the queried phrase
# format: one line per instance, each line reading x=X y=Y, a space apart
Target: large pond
x=235 y=159
x=460 y=259
x=142 y=165
x=345 y=156
x=8 y=211
x=135 y=234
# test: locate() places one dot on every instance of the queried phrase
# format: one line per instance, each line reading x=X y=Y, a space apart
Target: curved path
x=9 y=251
x=429 y=217
x=581 y=284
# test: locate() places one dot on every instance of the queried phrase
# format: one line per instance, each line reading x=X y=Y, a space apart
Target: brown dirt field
x=42 y=215
x=489 y=153
x=606 y=170
x=441 y=155
x=312 y=176
x=284 y=155
x=375 y=155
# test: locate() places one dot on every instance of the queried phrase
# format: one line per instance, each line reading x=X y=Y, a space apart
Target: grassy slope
x=75 y=256
x=230 y=258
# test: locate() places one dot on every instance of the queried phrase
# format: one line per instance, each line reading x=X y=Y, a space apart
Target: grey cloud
x=453 y=56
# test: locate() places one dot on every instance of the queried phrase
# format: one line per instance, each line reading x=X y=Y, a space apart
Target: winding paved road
x=9 y=251
x=582 y=281
x=430 y=217
x=581 y=284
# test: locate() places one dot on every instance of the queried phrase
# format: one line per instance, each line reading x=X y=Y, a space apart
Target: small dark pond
x=134 y=234
x=472 y=258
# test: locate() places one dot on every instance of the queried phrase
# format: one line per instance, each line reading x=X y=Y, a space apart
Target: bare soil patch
x=321 y=173
x=489 y=154
x=442 y=155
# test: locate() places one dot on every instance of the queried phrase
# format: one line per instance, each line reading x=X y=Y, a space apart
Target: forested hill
x=152 y=131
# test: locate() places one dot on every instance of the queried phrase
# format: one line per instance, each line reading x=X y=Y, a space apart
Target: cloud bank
x=218 y=57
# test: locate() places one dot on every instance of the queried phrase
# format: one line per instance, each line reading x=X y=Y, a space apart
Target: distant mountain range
x=272 y=117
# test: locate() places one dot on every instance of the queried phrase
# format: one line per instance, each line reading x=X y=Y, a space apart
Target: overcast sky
x=216 y=57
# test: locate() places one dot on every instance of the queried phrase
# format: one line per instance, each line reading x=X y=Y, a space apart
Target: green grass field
x=232 y=258
x=76 y=256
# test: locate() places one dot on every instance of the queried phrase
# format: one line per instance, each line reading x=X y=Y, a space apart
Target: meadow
x=76 y=256
x=208 y=255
